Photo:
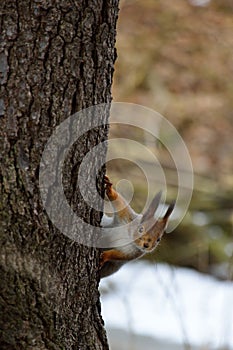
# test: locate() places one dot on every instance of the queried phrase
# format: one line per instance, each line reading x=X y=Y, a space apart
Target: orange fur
x=119 y=203
x=145 y=238
x=112 y=254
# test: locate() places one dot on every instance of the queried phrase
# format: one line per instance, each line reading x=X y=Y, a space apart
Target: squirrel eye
x=141 y=229
x=158 y=239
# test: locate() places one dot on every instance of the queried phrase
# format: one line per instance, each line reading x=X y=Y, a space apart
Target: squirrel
x=144 y=236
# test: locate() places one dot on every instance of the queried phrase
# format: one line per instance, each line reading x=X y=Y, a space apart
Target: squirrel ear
x=149 y=214
x=169 y=210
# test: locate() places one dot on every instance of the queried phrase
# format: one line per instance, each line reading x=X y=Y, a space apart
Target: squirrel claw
x=108 y=188
x=102 y=261
x=107 y=181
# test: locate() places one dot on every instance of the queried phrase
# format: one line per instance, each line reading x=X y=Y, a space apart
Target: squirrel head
x=151 y=230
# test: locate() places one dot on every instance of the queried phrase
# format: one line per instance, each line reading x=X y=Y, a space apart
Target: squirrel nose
x=146 y=245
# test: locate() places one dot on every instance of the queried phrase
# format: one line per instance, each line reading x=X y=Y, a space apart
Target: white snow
x=164 y=302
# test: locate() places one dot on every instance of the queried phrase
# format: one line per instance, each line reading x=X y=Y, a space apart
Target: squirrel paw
x=102 y=260
x=111 y=193
x=107 y=182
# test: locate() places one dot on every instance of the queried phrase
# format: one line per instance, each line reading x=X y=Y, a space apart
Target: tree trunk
x=56 y=58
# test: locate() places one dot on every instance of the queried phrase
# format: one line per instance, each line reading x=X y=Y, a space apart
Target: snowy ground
x=171 y=304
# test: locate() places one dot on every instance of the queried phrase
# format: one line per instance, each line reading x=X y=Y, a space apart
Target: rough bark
x=56 y=58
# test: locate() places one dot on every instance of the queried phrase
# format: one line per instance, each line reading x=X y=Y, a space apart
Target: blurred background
x=176 y=57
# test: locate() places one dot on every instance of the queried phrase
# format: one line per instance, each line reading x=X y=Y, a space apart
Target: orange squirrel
x=143 y=238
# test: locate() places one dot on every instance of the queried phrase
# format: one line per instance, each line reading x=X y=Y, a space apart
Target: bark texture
x=56 y=58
